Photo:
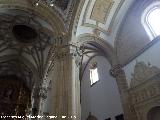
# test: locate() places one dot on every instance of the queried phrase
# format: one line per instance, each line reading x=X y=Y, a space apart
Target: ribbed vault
x=26 y=37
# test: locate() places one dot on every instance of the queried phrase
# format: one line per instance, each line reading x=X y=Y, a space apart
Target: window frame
x=91 y=69
x=144 y=19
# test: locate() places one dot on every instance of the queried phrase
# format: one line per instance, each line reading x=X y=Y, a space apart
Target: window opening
x=94 y=77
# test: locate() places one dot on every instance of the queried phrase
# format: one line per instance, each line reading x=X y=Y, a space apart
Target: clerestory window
x=151 y=21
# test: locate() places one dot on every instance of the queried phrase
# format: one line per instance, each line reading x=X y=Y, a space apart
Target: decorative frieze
x=103 y=7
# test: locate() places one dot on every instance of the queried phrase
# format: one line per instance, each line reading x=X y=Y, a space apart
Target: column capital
x=116 y=70
x=60 y=52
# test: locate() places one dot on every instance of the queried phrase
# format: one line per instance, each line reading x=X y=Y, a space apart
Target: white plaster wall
x=132 y=36
x=151 y=55
x=102 y=99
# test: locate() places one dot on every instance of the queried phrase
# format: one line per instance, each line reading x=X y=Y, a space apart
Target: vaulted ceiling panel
x=97 y=17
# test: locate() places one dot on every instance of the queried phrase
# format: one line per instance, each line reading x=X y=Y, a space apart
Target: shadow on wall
x=91 y=117
x=154 y=113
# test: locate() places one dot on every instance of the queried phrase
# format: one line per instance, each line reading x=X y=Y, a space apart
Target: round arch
x=107 y=50
x=101 y=49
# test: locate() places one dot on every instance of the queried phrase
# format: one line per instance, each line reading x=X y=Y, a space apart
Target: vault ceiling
x=118 y=23
x=101 y=18
x=27 y=36
x=18 y=41
x=63 y=8
x=17 y=68
x=97 y=16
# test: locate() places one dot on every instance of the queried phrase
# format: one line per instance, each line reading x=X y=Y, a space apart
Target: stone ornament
x=103 y=7
x=145 y=89
x=143 y=72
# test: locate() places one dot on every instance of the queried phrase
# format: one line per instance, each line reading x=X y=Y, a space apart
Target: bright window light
x=154 y=21
x=94 y=75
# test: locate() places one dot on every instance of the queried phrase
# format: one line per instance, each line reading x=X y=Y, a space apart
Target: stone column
x=65 y=92
x=44 y=98
x=35 y=101
x=119 y=74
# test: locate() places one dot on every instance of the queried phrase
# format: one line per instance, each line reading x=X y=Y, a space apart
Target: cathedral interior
x=80 y=59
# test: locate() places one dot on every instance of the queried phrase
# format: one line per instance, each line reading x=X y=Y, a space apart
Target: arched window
x=151 y=20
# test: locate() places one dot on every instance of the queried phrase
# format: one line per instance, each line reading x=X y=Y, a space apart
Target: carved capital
x=116 y=70
x=77 y=52
x=61 y=50
x=70 y=49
